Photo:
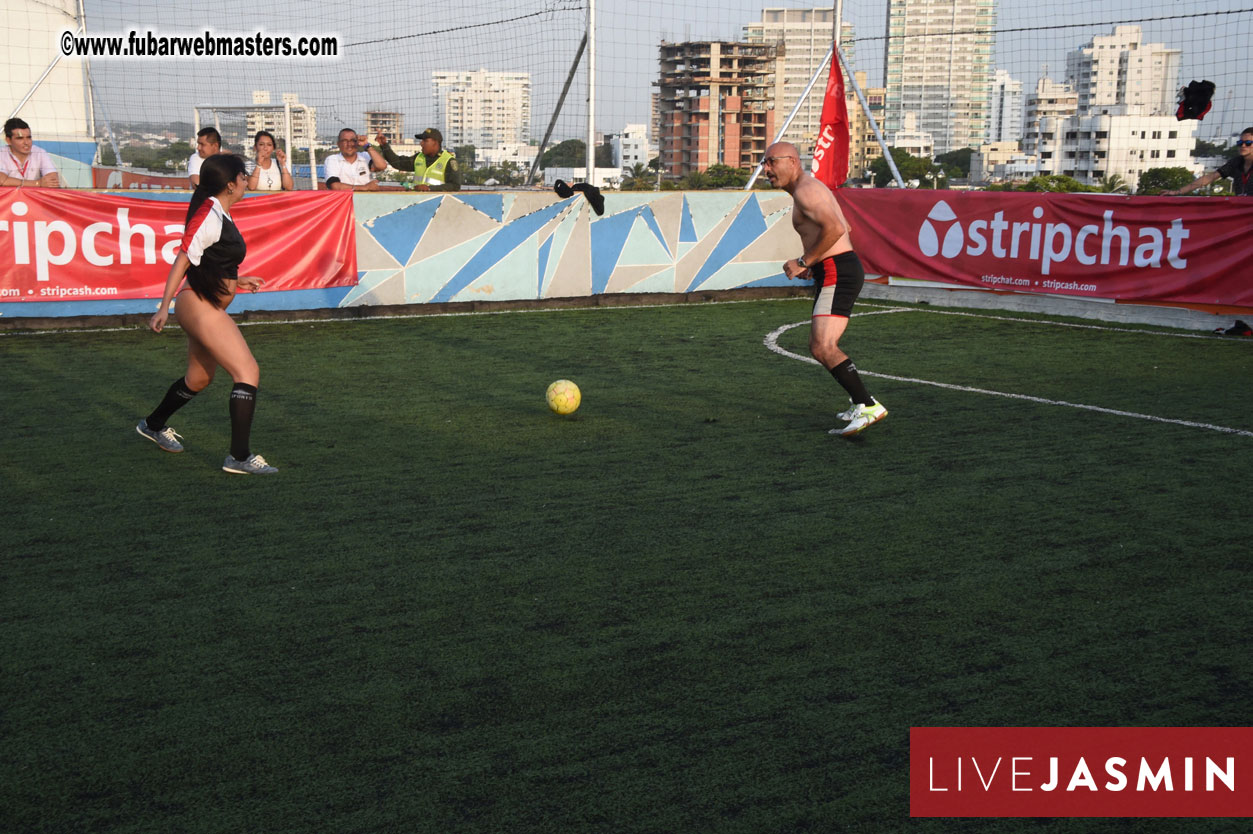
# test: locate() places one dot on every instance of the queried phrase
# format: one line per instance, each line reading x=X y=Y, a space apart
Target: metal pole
x=557 y=111
x=108 y=128
x=37 y=84
x=591 y=92
x=91 y=108
x=874 y=125
x=313 y=158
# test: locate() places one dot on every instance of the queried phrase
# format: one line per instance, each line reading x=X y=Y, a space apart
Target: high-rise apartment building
x=387 y=122
x=1102 y=139
x=272 y=117
x=654 y=115
x=938 y=64
x=1051 y=99
x=803 y=37
x=1047 y=109
x=1005 y=111
x=717 y=104
x=484 y=109
x=1122 y=69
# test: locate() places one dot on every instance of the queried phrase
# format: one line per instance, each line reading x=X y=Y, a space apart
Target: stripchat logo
x=929 y=238
x=943 y=233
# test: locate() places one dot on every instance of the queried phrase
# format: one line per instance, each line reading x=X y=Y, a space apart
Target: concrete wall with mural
x=520 y=245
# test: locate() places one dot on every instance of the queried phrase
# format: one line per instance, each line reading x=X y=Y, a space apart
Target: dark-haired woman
x=269 y=172
x=209 y=258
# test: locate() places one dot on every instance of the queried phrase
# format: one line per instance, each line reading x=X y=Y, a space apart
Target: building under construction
x=716 y=104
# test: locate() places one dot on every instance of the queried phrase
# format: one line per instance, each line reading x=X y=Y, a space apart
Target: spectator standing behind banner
x=435 y=169
x=208 y=143
x=270 y=171
x=1238 y=168
x=350 y=170
x=23 y=163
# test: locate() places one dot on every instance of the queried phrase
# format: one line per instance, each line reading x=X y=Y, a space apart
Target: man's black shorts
x=837 y=283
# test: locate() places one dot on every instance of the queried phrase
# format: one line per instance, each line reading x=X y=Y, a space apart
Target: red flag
x=830 y=163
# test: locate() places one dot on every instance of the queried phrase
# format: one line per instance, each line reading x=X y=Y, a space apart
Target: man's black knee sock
x=846 y=374
x=243 y=403
x=175 y=398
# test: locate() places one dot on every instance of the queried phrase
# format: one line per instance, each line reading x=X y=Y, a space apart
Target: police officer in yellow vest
x=435 y=169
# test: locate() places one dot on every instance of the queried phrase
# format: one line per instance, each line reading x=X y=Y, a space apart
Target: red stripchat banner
x=61 y=245
x=1158 y=249
x=1081 y=771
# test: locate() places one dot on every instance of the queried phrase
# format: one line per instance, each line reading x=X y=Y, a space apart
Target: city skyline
x=1028 y=45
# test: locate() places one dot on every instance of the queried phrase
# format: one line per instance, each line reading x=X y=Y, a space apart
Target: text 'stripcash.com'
x=1081 y=771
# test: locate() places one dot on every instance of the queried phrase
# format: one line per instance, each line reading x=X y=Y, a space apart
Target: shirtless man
x=838 y=276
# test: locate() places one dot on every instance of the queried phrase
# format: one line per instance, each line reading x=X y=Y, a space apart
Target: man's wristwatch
x=801 y=262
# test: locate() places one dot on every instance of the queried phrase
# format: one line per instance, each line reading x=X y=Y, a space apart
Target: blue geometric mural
x=400 y=231
x=665 y=241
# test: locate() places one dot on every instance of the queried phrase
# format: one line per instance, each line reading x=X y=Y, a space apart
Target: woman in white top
x=269 y=172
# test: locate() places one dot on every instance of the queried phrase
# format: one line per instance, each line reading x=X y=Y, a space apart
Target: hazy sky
x=390 y=50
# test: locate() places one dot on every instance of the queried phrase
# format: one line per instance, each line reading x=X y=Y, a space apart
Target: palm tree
x=634 y=176
x=696 y=181
x=1114 y=184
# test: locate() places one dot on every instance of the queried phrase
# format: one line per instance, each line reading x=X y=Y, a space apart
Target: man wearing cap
x=435 y=169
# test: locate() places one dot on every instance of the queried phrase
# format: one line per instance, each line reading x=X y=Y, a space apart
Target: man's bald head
x=782 y=165
x=782 y=149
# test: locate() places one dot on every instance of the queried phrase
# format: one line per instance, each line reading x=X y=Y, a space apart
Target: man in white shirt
x=349 y=170
x=23 y=163
x=208 y=142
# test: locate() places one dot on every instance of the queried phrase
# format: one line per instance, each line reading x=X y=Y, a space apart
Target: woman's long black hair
x=217 y=172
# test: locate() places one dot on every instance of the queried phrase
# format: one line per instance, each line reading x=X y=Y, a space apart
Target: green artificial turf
x=685 y=608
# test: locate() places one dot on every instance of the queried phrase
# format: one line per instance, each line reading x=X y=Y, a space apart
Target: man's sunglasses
x=1245 y=142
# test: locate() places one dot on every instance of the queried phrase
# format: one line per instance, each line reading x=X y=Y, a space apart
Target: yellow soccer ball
x=563 y=397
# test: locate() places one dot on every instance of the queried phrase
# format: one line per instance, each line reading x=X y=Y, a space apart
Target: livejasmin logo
x=1051 y=243
x=1021 y=774
x=1080 y=771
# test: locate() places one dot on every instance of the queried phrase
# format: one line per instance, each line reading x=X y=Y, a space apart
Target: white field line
x=1106 y=328
x=877 y=310
x=172 y=325
x=772 y=343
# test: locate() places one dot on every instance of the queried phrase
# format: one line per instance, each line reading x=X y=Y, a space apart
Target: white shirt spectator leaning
x=23 y=163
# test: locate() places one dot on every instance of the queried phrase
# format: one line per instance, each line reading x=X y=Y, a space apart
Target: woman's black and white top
x=215 y=248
